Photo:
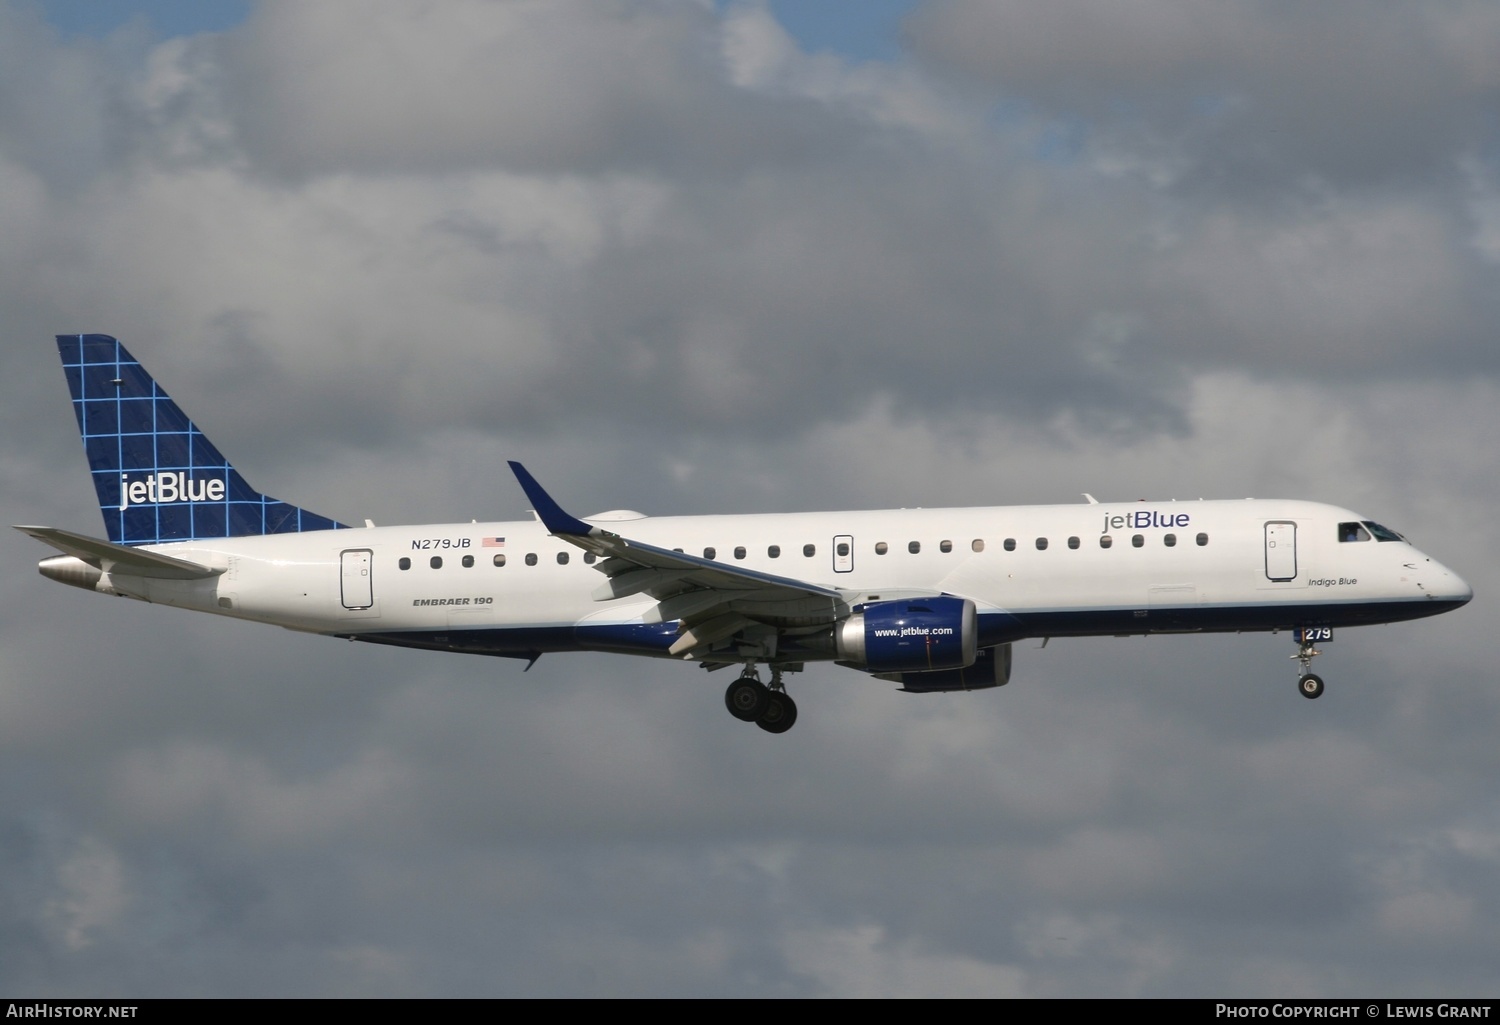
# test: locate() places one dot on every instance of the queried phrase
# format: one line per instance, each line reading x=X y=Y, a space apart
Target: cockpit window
x=1353 y=532
x=1383 y=533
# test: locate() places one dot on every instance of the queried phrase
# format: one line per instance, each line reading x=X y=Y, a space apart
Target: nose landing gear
x=1309 y=684
x=771 y=708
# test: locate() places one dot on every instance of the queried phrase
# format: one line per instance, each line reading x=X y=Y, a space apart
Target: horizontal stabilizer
x=113 y=558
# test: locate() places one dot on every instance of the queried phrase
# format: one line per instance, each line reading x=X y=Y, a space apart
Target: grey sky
x=676 y=261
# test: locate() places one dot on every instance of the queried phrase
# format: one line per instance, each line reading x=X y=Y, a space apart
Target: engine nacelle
x=910 y=635
x=990 y=669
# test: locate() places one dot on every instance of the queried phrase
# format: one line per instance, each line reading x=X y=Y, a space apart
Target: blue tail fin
x=158 y=478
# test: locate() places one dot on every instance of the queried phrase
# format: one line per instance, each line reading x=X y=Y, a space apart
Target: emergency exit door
x=843 y=553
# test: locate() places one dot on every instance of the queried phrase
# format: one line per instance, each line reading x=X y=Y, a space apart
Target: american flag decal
x=494 y=542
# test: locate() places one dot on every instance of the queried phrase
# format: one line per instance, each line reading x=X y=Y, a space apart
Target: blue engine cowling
x=990 y=669
x=910 y=635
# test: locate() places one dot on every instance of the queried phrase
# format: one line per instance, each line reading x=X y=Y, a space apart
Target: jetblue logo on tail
x=169 y=487
x=157 y=477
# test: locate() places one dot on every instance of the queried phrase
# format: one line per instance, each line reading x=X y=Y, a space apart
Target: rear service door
x=355 y=583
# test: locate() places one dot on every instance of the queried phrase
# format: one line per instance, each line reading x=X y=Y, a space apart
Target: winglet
x=553 y=518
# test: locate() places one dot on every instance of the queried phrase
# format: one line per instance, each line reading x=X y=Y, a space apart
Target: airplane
x=931 y=599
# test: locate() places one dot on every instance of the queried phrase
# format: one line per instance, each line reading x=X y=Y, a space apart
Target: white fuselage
x=1030 y=570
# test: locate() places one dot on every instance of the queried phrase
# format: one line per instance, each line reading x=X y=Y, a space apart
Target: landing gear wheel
x=1309 y=684
x=747 y=699
x=780 y=714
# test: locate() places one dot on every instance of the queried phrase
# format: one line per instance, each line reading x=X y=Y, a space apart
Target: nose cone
x=1463 y=593
x=1445 y=586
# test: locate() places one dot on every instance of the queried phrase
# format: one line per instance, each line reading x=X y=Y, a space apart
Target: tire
x=746 y=699
x=780 y=714
x=1310 y=686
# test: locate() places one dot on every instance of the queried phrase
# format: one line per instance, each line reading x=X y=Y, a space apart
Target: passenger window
x=710 y=552
x=562 y=558
x=1170 y=540
x=809 y=550
x=739 y=552
x=531 y=558
x=914 y=547
x=842 y=549
x=881 y=547
x=405 y=563
x=589 y=557
x=1202 y=540
x=1138 y=540
x=774 y=551
x=499 y=560
x=1353 y=532
x=1105 y=541
x=436 y=562
x=945 y=547
x=1010 y=544
x=978 y=544
x=1073 y=542
x=468 y=561
x=1041 y=544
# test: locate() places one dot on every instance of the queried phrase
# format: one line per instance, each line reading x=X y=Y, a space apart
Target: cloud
x=1351 y=94
x=678 y=264
x=528 y=86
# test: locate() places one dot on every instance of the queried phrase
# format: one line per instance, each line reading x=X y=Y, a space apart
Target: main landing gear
x=771 y=708
x=1309 y=684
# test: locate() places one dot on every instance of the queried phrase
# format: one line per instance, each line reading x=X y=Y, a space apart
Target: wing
x=714 y=601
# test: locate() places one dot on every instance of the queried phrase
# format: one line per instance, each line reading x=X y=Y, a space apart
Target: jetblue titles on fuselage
x=1144 y=519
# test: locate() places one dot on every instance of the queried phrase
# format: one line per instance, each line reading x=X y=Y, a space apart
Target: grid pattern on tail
x=157 y=477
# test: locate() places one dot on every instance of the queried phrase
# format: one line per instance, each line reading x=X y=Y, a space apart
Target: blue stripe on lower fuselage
x=528 y=642
x=1228 y=619
x=994 y=628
